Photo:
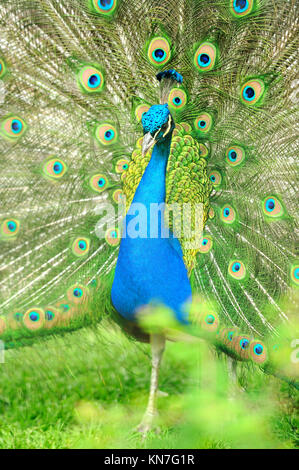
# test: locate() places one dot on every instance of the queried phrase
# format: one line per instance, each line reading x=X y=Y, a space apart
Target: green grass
x=89 y=389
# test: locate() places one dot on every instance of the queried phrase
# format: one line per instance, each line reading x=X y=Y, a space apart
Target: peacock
x=116 y=118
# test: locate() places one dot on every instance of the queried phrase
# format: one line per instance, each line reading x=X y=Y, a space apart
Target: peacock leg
x=158 y=346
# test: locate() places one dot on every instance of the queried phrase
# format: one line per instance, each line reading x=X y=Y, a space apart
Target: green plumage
x=58 y=168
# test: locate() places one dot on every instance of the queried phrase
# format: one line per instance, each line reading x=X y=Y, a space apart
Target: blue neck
x=150 y=268
x=152 y=186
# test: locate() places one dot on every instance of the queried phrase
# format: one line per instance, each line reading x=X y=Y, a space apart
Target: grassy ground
x=89 y=390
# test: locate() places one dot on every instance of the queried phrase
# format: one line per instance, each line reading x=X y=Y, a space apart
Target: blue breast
x=150 y=269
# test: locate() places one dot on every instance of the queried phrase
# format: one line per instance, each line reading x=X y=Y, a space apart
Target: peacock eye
x=159 y=51
x=244 y=343
x=252 y=92
x=90 y=79
x=237 y=269
x=177 y=99
x=2 y=68
x=258 y=349
x=34 y=318
x=241 y=8
x=215 y=177
x=55 y=168
x=9 y=228
x=98 y=183
x=140 y=111
x=106 y=134
x=77 y=294
x=203 y=122
x=272 y=207
x=112 y=237
x=117 y=196
x=258 y=352
x=235 y=155
x=206 y=244
x=228 y=214
x=13 y=127
x=104 y=7
x=295 y=274
x=80 y=246
x=122 y=165
x=210 y=319
x=49 y=315
x=205 y=57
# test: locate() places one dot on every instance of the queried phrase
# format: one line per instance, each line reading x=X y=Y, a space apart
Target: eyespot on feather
x=205 y=57
x=203 y=123
x=106 y=134
x=241 y=8
x=295 y=274
x=252 y=92
x=118 y=196
x=203 y=150
x=237 y=270
x=211 y=213
x=122 y=165
x=177 y=99
x=9 y=228
x=258 y=352
x=226 y=336
x=98 y=183
x=13 y=127
x=80 y=246
x=241 y=346
x=52 y=316
x=77 y=294
x=206 y=244
x=140 y=110
x=3 y=68
x=272 y=207
x=90 y=79
x=2 y=325
x=112 y=237
x=228 y=214
x=215 y=177
x=159 y=52
x=15 y=319
x=104 y=7
x=235 y=155
x=34 y=319
x=55 y=168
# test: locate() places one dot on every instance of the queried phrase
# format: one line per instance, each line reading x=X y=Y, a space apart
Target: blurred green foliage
x=89 y=389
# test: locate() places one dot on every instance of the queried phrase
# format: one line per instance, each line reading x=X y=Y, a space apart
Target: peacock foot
x=147 y=424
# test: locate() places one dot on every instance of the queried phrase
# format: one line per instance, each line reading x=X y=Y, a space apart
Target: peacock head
x=158 y=126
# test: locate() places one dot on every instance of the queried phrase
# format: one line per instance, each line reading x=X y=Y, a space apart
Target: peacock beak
x=148 y=142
